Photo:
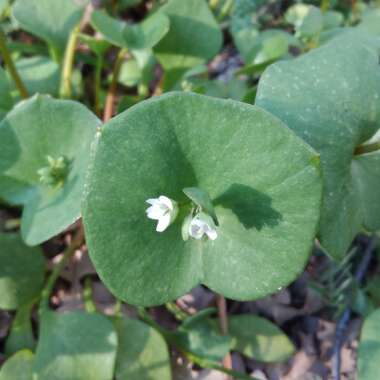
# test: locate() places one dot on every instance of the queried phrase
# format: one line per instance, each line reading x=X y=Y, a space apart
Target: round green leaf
x=264 y=183
x=142 y=352
x=369 y=348
x=39 y=74
x=144 y=35
x=75 y=346
x=32 y=131
x=194 y=36
x=19 y=366
x=21 y=272
x=6 y=101
x=331 y=98
x=259 y=339
x=52 y=21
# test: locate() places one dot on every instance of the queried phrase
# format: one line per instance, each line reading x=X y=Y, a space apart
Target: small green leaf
x=98 y=46
x=194 y=36
x=75 y=346
x=39 y=74
x=259 y=339
x=199 y=336
x=369 y=348
x=21 y=272
x=18 y=367
x=202 y=199
x=6 y=101
x=331 y=98
x=142 y=352
x=265 y=185
x=144 y=35
x=307 y=20
x=52 y=21
x=32 y=131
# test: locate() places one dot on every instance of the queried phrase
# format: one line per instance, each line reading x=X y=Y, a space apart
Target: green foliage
x=19 y=366
x=21 y=272
x=142 y=352
x=75 y=346
x=39 y=74
x=267 y=214
x=369 y=348
x=6 y=101
x=322 y=98
x=194 y=36
x=135 y=37
x=52 y=21
x=259 y=339
x=38 y=128
x=21 y=334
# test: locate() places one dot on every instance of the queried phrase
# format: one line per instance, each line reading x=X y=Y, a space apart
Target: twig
x=70 y=250
x=345 y=318
x=11 y=67
x=108 y=109
x=223 y=321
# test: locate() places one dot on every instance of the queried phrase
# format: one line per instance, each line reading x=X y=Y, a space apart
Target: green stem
x=45 y=295
x=68 y=63
x=89 y=304
x=108 y=109
x=226 y=9
x=173 y=308
x=98 y=77
x=10 y=66
x=204 y=363
x=368 y=148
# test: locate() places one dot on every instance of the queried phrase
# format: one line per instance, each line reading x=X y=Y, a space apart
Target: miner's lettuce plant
x=181 y=189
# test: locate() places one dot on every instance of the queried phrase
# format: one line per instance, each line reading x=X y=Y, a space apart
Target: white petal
x=166 y=201
x=212 y=235
x=163 y=223
x=152 y=201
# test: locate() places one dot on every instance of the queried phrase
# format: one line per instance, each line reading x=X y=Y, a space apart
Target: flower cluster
x=196 y=225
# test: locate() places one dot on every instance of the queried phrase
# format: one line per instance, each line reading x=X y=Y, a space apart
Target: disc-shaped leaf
x=39 y=74
x=259 y=339
x=194 y=35
x=52 y=21
x=144 y=35
x=21 y=272
x=142 y=352
x=19 y=366
x=75 y=346
x=369 y=348
x=6 y=101
x=263 y=180
x=32 y=131
x=331 y=98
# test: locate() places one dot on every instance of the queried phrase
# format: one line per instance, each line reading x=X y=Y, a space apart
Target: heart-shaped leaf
x=307 y=20
x=369 y=348
x=39 y=74
x=142 y=352
x=194 y=35
x=6 y=101
x=19 y=366
x=21 y=272
x=52 y=21
x=259 y=339
x=263 y=180
x=134 y=37
x=34 y=135
x=331 y=98
x=75 y=346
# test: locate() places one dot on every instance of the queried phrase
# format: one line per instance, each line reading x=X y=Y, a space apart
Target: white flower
x=202 y=224
x=164 y=210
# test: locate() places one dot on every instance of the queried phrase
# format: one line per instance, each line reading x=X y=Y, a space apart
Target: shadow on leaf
x=252 y=207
